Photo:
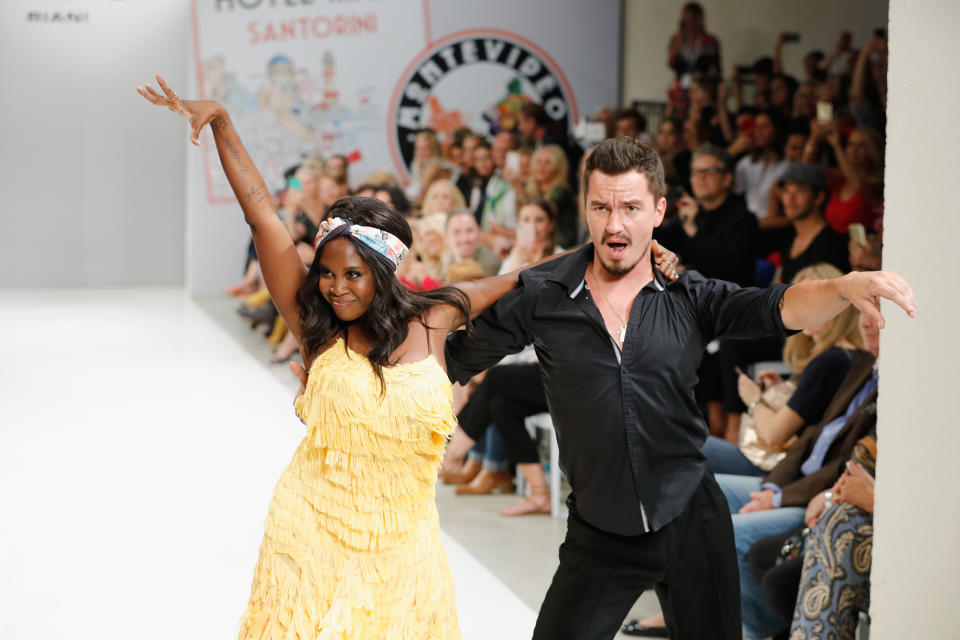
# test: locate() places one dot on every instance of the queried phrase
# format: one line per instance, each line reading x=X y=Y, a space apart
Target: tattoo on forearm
x=257 y=194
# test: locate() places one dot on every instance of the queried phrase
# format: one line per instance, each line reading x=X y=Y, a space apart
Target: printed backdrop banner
x=360 y=78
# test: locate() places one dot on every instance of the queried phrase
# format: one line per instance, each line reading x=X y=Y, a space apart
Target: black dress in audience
x=778 y=577
x=723 y=246
x=819 y=383
x=829 y=246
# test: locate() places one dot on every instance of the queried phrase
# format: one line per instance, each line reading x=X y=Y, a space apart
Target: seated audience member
x=783 y=89
x=430 y=245
x=463 y=241
x=499 y=213
x=811 y=240
x=708 y=99
x=713 y=233
x=520 y=175
x=442 y=197
x=759 y=170
x=805 y=105
x=394 y=197
x=539 y=131
x=536 y=235
x=548 y=181
x=333 y=186
x=338 y=165
x=533 y=124
x=473 y=184
x=630 y=123
x=764 y=506
x=426 y=154
x=506 y=395
x=838 y=555
x=673 y=154
x=816 y=576
x=858 y=185
x=820 y=358
x=793 y=154
x=503 y=143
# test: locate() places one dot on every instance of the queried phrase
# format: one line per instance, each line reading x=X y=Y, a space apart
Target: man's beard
x=803 y=215
x=624 y=269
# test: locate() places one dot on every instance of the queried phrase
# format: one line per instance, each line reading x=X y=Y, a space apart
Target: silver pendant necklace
x=622 y=334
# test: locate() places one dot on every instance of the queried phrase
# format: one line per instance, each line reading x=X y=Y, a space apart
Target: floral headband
x=384 y=243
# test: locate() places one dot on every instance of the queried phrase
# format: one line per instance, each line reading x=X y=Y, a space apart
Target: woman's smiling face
x=345 y=282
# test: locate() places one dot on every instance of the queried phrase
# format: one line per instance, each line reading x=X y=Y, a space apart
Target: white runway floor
x=139 y=446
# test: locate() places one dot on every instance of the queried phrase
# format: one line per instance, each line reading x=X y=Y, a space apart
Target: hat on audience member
x=804 y=173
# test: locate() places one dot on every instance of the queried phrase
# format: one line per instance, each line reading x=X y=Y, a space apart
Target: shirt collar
x=570 y=272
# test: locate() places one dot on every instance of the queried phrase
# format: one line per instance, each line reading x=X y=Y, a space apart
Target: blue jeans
x=758 y=620
x=490 y=449
x=725 y=457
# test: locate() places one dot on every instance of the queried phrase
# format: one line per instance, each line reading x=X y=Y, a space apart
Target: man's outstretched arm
x=814 y=302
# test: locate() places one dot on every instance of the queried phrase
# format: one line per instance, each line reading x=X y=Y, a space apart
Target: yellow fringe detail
x=351 y=548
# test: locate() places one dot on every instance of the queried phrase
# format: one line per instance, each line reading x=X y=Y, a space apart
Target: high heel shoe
x=467 y=473
x=486 y=483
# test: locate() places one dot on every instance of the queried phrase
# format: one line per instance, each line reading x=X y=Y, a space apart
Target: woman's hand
x=815 y=509
x=749 y=390
x=198 y=113
x=768 y=378
x=855 y=487
x=666 y=261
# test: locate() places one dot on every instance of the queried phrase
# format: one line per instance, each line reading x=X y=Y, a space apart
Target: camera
x=793 y=36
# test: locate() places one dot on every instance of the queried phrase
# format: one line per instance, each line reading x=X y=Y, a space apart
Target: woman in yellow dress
x=352 y=543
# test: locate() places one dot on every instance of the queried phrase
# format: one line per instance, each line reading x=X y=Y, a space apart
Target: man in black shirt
x=618 y=348
x=803 y=190
x=714 y=233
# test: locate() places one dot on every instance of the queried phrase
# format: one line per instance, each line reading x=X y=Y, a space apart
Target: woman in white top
x=759 y=170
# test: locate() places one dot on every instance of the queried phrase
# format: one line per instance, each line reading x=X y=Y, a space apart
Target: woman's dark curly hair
x=394 y=305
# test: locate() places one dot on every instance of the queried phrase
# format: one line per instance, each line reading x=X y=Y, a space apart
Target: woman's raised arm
x=283 y=270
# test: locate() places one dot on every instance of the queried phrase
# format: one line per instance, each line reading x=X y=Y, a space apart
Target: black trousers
x=508 y=394
x=691 y=563
x=780 y=582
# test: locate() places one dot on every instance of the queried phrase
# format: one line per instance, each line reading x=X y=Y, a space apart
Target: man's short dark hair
x=535 y=111
x=617 y=156
x=717 y=152
x=763 y=66
x=633 y=114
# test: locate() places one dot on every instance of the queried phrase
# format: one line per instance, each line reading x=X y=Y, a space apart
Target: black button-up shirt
x=627 y=423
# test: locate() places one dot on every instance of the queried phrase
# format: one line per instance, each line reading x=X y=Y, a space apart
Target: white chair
x=534 y=423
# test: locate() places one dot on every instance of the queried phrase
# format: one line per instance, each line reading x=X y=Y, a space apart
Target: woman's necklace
x=622 y=334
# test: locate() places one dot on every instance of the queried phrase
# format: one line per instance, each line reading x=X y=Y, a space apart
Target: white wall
x=916 y=555
x=747 y=30
x=92 y=179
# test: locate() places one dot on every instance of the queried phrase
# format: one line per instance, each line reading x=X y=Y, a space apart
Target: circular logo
x=478 y=79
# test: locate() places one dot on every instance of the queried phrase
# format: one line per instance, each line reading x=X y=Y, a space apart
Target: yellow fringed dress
x=352 y=543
